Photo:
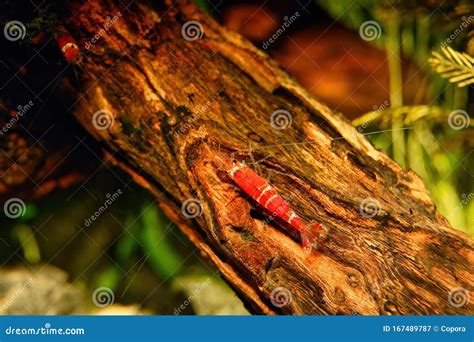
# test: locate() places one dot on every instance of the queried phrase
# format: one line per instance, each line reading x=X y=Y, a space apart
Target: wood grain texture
x=177 y=104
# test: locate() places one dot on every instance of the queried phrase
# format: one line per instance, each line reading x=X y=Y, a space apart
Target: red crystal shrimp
x=67 y=44
x=264 y=194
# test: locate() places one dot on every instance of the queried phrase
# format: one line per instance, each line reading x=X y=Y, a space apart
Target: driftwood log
x=165 y=99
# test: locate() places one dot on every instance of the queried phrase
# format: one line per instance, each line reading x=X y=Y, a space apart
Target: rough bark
x=177 y=104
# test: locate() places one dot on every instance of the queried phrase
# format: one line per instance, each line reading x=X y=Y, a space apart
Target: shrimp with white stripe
x=264 y=194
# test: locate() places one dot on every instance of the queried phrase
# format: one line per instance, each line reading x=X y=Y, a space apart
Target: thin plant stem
x=396 y=94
